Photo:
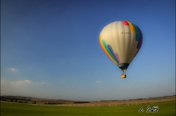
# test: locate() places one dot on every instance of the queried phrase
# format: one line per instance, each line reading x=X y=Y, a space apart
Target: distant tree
x=34 y=102
x=15 y=100
x=20 y=102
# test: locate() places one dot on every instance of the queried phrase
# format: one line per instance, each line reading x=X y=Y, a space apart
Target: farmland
x=103 y=108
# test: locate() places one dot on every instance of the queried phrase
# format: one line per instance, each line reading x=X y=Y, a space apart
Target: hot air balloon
x=121 y=41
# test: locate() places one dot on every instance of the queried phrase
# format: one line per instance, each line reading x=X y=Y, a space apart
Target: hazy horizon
x=87 y=100
x=50 y=49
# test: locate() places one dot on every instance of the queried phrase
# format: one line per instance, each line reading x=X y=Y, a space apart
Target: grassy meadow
x=16 y=109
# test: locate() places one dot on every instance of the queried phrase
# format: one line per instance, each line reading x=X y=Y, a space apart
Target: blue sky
x=50 y=49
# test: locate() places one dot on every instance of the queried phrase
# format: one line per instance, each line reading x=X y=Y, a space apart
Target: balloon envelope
x=121 y=41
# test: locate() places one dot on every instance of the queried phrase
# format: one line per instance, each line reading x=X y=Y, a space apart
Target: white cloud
x=21 y=82
x=22 y=87
x=126 y=87
x=98 y=82
x=2 y=82
x=41 y=83
x=27 y=81
x=13 y=69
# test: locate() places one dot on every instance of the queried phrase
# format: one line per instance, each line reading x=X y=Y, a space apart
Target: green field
x=15 y=109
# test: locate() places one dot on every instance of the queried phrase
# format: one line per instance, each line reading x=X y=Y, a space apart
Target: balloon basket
x=123 y=76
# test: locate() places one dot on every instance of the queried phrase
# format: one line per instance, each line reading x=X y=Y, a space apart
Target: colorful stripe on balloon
x=135 y=30
x=112 y=53
x=132 y=28
x=109 y=51
x=138 y=34
x=140 y=40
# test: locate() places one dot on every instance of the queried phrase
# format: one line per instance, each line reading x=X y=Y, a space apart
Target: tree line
x=16 y=99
